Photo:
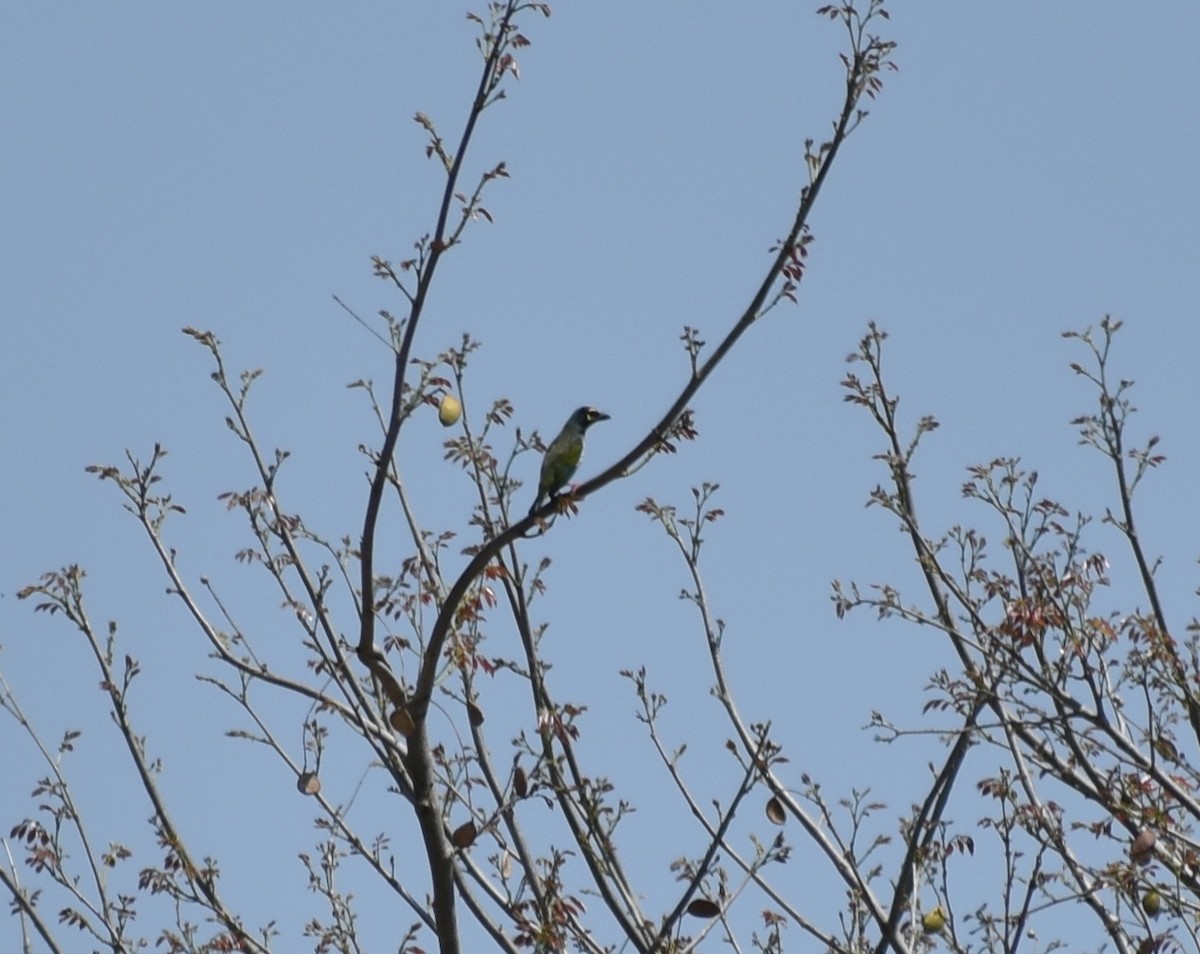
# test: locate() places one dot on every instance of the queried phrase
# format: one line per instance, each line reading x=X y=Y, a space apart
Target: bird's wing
x=571 y=451
x=561 y=460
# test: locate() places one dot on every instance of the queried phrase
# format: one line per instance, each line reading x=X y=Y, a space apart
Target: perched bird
x=564 y=453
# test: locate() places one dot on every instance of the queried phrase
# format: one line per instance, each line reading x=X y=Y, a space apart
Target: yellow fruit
x=449 y=411
x=1152 y=902
x=934 y=921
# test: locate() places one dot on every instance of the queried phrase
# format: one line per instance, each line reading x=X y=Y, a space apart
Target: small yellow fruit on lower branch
x=1152 y=902
x=934 y=921
x=449 y=411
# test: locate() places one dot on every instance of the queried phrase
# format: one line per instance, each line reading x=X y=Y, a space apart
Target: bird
x=564 y=453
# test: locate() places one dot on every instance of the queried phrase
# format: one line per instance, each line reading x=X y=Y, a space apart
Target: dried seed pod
x=307 y=783
x=703 y=908
x=1142 y=848
x=474 y=714
x=775 y=813
x=402 y=722
x=464 y=835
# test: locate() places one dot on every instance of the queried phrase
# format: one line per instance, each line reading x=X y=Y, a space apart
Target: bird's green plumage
x=564 y=453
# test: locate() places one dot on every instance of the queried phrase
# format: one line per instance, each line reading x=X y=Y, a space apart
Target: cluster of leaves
x=1082 y=712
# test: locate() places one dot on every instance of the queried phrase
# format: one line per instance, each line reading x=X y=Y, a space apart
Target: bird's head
x=585 y=417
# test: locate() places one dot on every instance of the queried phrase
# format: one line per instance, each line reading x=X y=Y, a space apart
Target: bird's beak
x=599 y=416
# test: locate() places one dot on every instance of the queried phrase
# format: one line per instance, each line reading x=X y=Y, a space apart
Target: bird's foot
x=565 y=501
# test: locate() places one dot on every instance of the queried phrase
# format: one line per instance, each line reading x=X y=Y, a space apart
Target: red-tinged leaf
x=508 y=62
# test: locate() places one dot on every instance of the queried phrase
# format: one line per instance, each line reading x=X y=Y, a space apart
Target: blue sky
x=1030 y=168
